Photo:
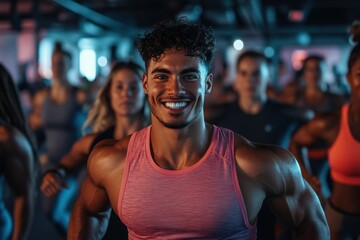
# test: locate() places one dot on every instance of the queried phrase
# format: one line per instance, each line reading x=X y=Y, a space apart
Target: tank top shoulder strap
x=224 y=139
x=344 y=115
x=345 y=122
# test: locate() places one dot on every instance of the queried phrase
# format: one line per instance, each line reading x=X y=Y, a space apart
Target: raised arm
x=18 y=159
x=54 y=179
x=313 y=132
x=292 y=199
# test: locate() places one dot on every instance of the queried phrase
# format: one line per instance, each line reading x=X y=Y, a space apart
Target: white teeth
x=176 y=105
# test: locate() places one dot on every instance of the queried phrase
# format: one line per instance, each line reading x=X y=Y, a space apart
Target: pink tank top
x=203 y=201
x=344 y=154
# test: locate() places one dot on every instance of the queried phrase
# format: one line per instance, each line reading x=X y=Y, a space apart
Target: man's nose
x=176 y=85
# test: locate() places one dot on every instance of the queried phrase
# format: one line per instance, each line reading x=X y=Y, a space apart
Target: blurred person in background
x=310 y=90
x=259 y=119
x=119 y=110
x=60 y=114
x=18 y=163
x=221 y=93
x=340 y=130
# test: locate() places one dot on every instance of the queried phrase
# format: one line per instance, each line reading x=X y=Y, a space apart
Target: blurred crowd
x=306 y=116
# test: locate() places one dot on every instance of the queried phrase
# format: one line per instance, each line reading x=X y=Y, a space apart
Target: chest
x=192 y=202
x=60 y=114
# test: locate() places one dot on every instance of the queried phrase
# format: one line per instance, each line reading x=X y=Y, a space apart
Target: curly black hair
x=196 y=39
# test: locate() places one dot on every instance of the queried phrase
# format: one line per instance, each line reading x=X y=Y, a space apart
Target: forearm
x=317 y=231
x=86 y=225
x=23 y=215
x=313 y=224
x=70 y=163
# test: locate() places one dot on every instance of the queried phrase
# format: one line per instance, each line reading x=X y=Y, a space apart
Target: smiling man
x=182 y=178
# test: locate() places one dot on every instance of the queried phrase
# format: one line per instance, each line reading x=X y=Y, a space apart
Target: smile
x=176 y=105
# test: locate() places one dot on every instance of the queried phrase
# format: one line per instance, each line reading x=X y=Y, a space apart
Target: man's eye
x=190 y=77
x=161 y=77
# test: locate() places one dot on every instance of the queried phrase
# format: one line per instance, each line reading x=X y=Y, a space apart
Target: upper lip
x=175 y=100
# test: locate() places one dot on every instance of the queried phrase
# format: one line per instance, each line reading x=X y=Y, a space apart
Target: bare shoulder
x=40 y=96
x=267 y=165
x=107 y=158
x=15 y=149
x=12 y=140
x=84 y=143
x=6 y=133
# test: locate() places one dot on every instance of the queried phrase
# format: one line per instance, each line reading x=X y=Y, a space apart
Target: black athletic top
x=274 y=124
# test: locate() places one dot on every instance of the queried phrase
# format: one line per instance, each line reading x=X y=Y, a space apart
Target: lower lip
x=175 y=110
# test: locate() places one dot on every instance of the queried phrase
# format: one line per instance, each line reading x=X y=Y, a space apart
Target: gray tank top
x=62 y=125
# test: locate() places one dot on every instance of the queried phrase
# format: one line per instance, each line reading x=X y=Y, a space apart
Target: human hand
x=52 y=183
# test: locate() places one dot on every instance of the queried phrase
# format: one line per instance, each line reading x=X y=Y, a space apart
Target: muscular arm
x=19 y=172
x=90 y=214
x=292 y=199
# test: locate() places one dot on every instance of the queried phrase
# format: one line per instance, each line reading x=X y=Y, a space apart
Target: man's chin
x=176 y=125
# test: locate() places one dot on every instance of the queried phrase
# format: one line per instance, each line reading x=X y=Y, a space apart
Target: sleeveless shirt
x=203 y=201
x=62 y=125
x=344 y=153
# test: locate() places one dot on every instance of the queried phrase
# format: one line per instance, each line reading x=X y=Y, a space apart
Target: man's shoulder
x=109 y=148
x=260 y=159
x=107 y=158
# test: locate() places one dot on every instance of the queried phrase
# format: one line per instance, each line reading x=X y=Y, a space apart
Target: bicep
x=296 y=203
x=92 y=198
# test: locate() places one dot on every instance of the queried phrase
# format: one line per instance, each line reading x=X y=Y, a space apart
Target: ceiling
x=326 y=20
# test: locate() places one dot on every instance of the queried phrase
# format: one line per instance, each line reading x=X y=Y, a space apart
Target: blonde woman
x=119 y=110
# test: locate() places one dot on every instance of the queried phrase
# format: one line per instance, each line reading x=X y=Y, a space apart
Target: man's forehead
x=174 y=62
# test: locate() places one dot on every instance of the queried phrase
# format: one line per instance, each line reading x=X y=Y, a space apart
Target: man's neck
x=176 y=149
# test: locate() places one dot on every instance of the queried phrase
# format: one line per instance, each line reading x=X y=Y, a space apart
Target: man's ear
x=208 y=83
x=145 y=83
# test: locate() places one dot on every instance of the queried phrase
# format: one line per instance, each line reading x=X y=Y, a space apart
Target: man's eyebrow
x=184 y=71
x=190 y=70
x=160 y=70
